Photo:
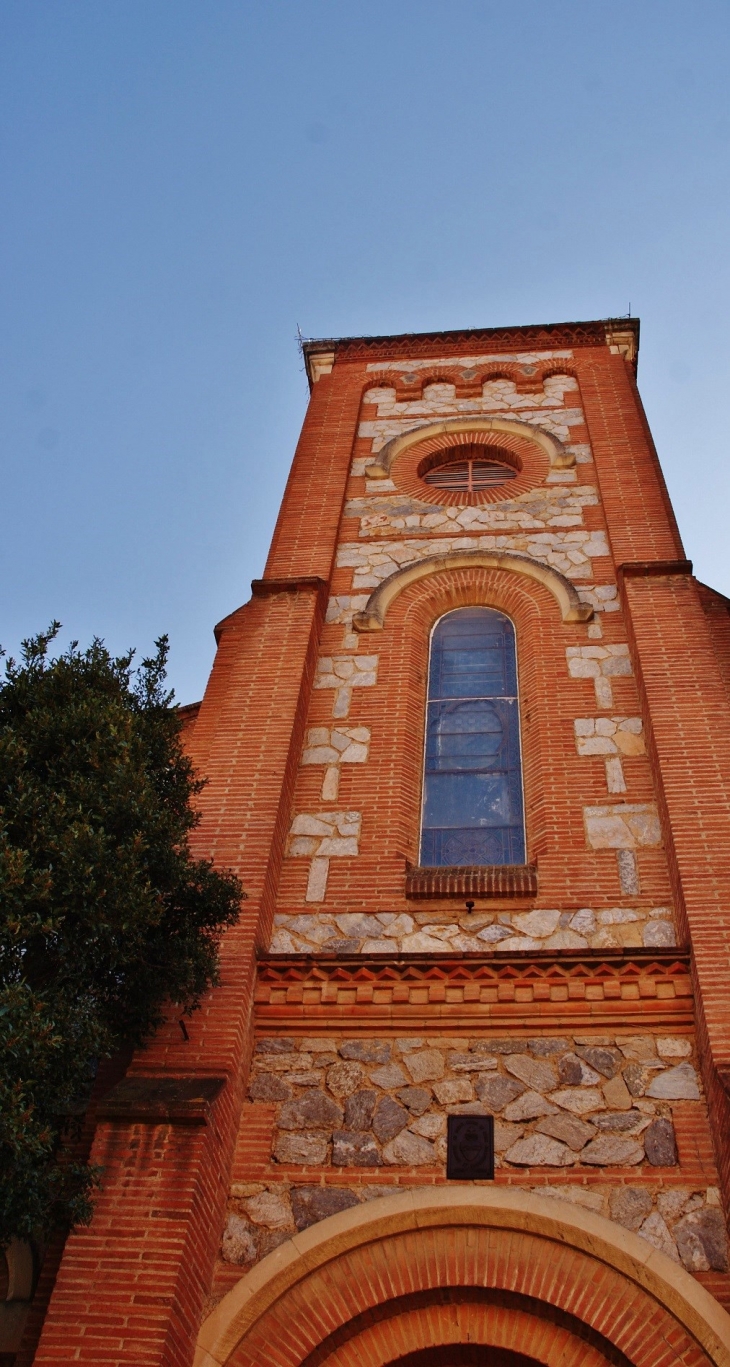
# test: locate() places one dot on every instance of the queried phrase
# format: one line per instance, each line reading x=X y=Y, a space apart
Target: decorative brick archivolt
x=561 y=1273
x=572 y=609
x=461 y=1327
x=469 y=429
x=468 y=376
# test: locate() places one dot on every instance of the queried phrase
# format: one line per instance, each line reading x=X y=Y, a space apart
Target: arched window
x=472 y=798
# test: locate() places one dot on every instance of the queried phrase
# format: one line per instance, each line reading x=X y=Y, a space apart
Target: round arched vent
x=466 y=469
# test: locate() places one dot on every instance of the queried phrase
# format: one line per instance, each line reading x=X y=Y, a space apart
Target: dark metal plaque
x=470 y=1147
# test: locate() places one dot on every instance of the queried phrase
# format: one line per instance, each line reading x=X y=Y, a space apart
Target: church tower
x=461 y=1095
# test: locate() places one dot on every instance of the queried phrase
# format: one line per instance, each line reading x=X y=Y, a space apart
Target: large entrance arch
x=463 y=1355
x=459 y=1274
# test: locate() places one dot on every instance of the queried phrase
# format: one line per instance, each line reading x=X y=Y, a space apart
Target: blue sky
x=187 y=181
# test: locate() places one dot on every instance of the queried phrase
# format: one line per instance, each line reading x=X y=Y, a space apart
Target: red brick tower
x=468 y=748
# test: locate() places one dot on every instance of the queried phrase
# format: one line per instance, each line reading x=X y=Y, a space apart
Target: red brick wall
x=134 y=1286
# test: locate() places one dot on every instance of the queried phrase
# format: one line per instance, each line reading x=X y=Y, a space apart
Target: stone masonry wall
x=425 y=932
x=607 y=1114
x=535 y=509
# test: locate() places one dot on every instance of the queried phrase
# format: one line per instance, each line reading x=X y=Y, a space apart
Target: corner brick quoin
x=555 y=964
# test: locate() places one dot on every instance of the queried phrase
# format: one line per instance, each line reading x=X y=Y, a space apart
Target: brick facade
x=580 y=999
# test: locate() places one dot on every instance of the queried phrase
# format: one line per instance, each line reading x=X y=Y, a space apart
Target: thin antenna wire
x=301 y=339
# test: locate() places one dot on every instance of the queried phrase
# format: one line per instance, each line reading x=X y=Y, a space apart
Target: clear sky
x=186 y=181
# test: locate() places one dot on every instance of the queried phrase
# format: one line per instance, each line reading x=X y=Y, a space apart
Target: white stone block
x=659 y=934
x=399 y=925
x=302 y=846
x=596 y=745
x=616 y=916
x=584 y=921
x=615 y=781
x=317 y=881
x=318 y=735
x=565 y=939
x=354 y=754
x=320 y=754
x=622 y=826
x=617 y=666
x=282 y=943
x=420 y=943
x=583 y=669
x=519 y=943
x=304 y=824
x=337 y=847
x=341 y=704
x=655 y=1231
x=604 y=692
x=348 y=823
x=331 y=784
x=537 y=923
x=676 y=1084
x=673 y=1046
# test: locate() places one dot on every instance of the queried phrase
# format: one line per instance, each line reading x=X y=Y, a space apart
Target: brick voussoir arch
x=372 y=617
x=649 y=1307
x=557 y=455
x=431 y=1327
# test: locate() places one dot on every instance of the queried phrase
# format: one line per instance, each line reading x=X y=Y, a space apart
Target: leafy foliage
x=105 y=917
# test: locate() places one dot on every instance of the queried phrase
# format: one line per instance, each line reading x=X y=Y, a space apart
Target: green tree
x=105 y=917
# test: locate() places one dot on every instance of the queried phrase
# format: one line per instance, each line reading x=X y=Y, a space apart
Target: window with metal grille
x=472 y=796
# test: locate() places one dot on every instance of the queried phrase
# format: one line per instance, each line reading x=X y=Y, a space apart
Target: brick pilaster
x=305 y=536
x=132 y=1286
x=639 y=516
x=689 y=735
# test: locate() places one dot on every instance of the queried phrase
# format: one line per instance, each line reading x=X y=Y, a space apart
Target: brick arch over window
x=372 y=618
x=397 y=708
x=399 y=1277
x=471 y=427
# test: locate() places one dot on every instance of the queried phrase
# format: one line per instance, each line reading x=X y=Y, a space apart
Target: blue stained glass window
x=472 y=801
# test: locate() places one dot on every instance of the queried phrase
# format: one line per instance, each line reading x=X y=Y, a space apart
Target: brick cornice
x=458 y=963
x=266 y=588
x=643 y=569
x=161 y=1100
x=304 y=583
x=587 y=987
x=422 y=344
